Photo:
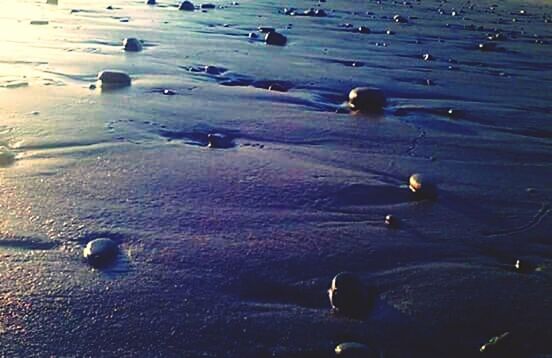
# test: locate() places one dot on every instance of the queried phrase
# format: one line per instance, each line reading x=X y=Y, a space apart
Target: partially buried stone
x=345 y=293
x=367 y=99
x=100 y=252
x=400 y=19
x=275 y=38
x=112 y=78
x=486 y=46
x=354 y=350
x=390 y=221
x=217 y=140
x=277 y=87
x=186 y=6
x=363 y=30
x=422 y=186
x=132 y=44
x=208 y=6
x=150 y=2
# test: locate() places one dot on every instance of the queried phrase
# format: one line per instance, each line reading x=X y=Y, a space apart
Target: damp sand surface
x=228 y=252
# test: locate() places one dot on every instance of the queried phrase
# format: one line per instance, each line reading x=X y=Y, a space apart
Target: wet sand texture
x=236 y=178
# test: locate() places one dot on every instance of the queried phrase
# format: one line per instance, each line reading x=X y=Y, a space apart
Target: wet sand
x=229 y=252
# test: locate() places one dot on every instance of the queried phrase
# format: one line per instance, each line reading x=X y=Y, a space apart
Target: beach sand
x=229 y=252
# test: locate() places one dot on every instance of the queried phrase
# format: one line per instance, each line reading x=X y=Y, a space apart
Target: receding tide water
x=228 y=250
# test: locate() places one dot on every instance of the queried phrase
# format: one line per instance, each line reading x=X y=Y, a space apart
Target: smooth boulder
x=275 y=38
x=346 y=294
x=422 y=186
x=186 y=6
x=132 y=44
x=100 y=252
x=367 y=99
x=114 y=79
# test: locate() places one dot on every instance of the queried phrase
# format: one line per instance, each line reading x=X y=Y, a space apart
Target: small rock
x=100 y=252
x=355 y=350
x=345 y=293
x=111 y=78
x=217 y=140
x=132 y=44
x=427 y=57
x=399 y=19
x=168 y=92
x=186 y=6
x=363 y=30
x=486 y=46
x=275 y=38
x=367 y=99
x=208 y=6
x=151 y=2
x=421 y=186
x=277 y=87
x=391 y=221
x=252 y=35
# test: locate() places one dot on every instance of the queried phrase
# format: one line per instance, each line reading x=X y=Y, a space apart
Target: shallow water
x=229 y=252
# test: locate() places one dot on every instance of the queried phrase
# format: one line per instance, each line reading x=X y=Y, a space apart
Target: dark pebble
x=367 y=99
x=111 y=78
x=132 y=44
x=100 y=252
x=346 y=293
x=186 y=6
x=275 y=38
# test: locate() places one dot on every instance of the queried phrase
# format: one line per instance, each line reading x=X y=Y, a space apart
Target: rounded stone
x=275 y=38
x=112 y=78
x=391 y=221
x=186 y=6
x=252 y=35
x=217 y=140
x=277 y=87
x=486 y=46
x=367 y=99
x=363 y=30
x=399 y=19
x=100 y=252
x=132 y=44
x=422 y=186
x=416 y=183
x=345 y=293
x=150 y=2
x=354 y=350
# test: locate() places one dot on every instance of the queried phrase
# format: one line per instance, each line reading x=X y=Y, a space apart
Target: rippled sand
x=229 y=252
